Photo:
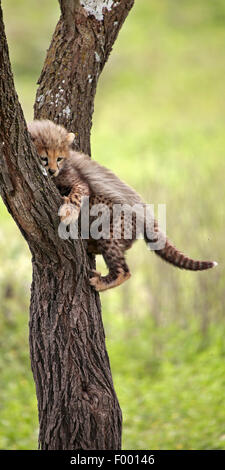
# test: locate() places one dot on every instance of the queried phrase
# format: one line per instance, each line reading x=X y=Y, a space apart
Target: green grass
x=159 y=123
x=169 y=385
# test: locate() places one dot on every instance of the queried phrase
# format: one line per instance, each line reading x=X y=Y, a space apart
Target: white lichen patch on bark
x=95 y=7
x=43 y=170
x=97 y=57
x=67 y=111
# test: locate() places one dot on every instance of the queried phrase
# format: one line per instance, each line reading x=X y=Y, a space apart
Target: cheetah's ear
x=70 y=138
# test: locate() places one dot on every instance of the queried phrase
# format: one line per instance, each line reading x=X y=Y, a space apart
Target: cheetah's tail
x=170 y=254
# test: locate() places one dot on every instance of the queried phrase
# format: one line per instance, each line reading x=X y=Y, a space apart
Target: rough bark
x=68 y=81
x=77 y=404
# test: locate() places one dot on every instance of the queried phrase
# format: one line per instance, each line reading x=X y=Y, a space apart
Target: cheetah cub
x=76 y=175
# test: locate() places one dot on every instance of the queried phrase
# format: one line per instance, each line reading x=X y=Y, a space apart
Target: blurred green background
x=159 y=124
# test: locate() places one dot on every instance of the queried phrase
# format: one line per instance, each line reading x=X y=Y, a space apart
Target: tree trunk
x=77 y=404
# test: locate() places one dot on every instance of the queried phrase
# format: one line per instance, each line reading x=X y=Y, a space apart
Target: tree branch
x=22 y=194
x=68 y=9
x=69 y=78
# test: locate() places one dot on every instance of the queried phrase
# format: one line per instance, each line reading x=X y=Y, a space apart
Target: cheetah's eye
x=59 y=159
x=44 y=160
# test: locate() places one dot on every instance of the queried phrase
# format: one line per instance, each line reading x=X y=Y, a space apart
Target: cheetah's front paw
x=95 y=279
x=68 y=212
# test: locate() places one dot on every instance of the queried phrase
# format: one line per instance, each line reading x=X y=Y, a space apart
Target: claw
x=66 y=200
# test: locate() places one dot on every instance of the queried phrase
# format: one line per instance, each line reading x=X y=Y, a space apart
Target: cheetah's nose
x=51 y=171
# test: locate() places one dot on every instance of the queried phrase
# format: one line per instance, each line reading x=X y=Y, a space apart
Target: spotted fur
x=77 y=176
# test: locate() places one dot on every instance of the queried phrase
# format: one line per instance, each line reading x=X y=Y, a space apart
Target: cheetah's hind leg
x=118 y=269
